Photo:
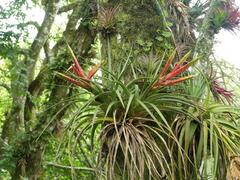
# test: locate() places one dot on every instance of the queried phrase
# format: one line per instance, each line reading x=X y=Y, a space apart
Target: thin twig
x=71 y=167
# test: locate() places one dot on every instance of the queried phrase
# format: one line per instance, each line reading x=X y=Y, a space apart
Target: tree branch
x=47 y=51
x=68 y=7
x=71 y=167
x=42 y=36
x=33 y=23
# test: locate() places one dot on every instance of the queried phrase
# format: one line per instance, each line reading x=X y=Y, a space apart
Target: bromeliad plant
x=106 y=21
x=226 y=15
x=232 y=20
x=153 y=129
x=219 y=93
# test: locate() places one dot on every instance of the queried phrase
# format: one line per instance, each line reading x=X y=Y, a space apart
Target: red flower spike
x=75 y=70
x=84 y=81
x=78 y=83
x=167 y=80
x=78 y=69
x=172 y=82
x=177 y=66
x=93 y=71
x=177 y=72
x=167 y=65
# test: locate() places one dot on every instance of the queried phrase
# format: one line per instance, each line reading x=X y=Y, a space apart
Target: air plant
x=131 y=127
x=106 y=26
x=105 y=19
x=227 y=16
x=232 y=20
x=219 y=92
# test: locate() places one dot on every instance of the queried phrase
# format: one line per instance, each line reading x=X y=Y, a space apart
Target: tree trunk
x=15 y=119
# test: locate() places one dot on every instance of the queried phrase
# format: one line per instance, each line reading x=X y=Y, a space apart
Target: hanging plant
x=219 y=93
x=106 y=20
x=226 y=15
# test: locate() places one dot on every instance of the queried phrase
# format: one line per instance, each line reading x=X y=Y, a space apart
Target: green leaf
x=166 y=34
x=159 y=38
